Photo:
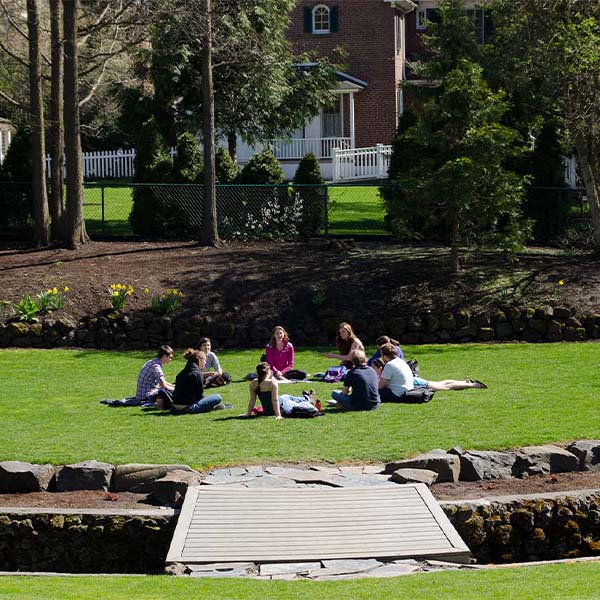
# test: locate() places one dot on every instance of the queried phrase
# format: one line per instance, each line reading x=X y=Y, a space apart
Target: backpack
x=413 y=363
x=418 y=395
x=334 y=374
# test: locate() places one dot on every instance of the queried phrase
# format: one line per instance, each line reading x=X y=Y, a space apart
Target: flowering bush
x=118 y=294
x=52 y=299
x=165 y=302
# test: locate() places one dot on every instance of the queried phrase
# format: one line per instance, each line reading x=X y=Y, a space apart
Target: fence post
x=334 y=163
x=326 y=207
x=379 y=160
x=102 y=201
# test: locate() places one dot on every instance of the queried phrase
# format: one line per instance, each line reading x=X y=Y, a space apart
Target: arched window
x=321 y=20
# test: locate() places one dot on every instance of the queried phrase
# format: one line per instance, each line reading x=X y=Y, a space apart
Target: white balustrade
x=361 y=163
x=296 y=148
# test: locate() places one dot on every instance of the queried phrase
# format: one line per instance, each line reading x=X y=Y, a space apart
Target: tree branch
x=12 y=100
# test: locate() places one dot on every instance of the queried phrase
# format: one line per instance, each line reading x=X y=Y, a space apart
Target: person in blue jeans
x=188 y=397
x=360 y=391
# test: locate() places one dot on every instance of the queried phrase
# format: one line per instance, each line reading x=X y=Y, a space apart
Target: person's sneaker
x=222 y=406
x=332 y=402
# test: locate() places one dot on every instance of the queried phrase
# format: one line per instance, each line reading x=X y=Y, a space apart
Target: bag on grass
x=334 y=374
x=419 y=395
x=413 y=363
x=217 y=380
x=303 y=410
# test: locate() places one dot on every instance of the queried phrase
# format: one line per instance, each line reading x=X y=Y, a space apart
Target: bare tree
x=75 y=233
x=39 y=195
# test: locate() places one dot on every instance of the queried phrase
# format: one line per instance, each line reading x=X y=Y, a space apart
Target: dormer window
x=321 y=19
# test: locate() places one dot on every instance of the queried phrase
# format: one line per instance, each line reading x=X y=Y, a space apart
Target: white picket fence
x=114 y=164
x=361 y=163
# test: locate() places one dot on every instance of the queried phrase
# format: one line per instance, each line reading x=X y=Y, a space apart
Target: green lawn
x=537 y=393
x=551 y=582
x=117 y=201
x=356 y=210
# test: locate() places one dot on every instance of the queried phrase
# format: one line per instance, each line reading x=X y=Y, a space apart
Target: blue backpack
x=334 y=374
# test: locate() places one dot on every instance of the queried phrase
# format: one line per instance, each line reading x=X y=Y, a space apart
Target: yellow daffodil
x=66 y=289
x=561 y=282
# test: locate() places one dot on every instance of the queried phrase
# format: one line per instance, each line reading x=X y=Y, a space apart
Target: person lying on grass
x=360 y=386
x=188 y=397
x=396 y=378
x=266 y=388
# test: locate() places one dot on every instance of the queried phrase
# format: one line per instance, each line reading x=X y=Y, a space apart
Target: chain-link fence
x=287 y=211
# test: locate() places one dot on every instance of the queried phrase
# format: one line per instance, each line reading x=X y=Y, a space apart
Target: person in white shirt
x=396 y=377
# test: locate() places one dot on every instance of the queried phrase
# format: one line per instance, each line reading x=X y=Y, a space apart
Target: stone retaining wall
x=85 y=541
x=119 y=329
x=535 y=527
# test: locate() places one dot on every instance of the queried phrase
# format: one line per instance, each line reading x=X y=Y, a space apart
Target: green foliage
x=226 y=168
x=166 y=302
x=450 y=164
x=17 y=162
x=51 y=299
x=150 y=214
x=311 y=193
x=188 y=165
x=118 y=293
x=27 y=308
x=263 y=167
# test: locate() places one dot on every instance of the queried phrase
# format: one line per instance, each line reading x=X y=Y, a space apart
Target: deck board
x=224 y=524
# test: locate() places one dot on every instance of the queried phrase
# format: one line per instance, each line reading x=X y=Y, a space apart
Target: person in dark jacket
x=188 y=397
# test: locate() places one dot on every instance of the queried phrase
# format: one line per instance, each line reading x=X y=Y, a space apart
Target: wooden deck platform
x=233 y=524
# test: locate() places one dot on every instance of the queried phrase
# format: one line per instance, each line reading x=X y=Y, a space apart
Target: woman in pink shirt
x=280 y=356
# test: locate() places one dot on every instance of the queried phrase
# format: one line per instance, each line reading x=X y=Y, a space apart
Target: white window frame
x=421 y=19
x=326 y=9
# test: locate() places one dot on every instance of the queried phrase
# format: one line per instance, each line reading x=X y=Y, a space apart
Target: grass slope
x=50 y=410
x=551 y=582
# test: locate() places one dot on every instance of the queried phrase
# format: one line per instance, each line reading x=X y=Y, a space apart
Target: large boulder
x=588 y=453
x=86 y=475
x=170 y=490
x=135 y=477
x=535 y=460
x=414 y=476
x=446 y=465
x=21 y=477
x=476 y=465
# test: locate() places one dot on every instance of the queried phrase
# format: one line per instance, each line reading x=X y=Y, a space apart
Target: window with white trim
x=321 y=21
x=421 y=19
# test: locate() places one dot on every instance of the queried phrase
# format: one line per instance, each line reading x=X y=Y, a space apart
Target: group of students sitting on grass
x=384 y=377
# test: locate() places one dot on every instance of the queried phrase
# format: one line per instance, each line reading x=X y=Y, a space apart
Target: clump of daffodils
x=165 y=302
x=118 y=293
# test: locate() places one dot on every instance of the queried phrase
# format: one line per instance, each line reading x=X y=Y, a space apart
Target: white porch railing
x=296 y=148
x=117 y=164
x=361 y=163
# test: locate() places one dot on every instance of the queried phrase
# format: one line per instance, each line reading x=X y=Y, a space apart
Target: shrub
x=313 y=198
x=226 y=167
x=151 y=214
x=188 y=165
x=262 y=168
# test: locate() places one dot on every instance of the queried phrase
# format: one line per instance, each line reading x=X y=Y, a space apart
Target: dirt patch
x=239 y=279
x=464 y=490
x=536 y=484
x=78 y=499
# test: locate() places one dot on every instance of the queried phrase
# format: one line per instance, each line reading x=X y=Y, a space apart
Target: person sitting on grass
x=214 y=377
x=279 y=353
x=396 y=378
x=360 y=386
x=266 y=388
x=151 y=382
x=188 y=397
x=380 y=341
x=346 y=341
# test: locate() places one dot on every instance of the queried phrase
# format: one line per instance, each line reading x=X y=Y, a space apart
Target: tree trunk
x=75 y=233
x=56 y=121
x=38 y=150
x=454 y=245
x=209 y=235
x=591 y=178
x=232 y=146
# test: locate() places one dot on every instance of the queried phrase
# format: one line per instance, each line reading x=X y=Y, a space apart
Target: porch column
x=352 y=133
